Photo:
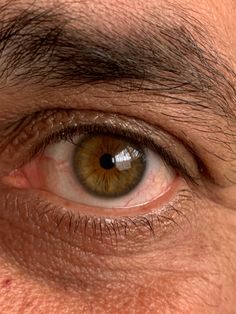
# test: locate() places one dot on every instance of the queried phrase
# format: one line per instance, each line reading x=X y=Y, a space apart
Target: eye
x=110 y=174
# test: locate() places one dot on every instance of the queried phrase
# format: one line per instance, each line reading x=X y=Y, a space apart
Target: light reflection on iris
x=108 y=166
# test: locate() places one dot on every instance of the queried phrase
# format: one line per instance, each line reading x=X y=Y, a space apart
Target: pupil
x=107 y=161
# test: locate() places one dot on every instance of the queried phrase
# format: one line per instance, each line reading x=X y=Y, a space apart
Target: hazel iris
x=108 y=166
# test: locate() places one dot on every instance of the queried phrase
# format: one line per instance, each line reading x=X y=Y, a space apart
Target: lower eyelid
x=52 y=212
x=52 y=215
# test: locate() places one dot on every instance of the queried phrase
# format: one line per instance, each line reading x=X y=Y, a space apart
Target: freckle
x=6 y=283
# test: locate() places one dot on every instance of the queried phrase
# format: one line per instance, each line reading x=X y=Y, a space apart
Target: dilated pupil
x=107 y=161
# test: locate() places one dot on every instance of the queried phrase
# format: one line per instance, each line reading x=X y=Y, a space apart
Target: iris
x=108 y=166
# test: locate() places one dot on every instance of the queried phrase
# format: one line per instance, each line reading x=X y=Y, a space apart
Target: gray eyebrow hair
x=164 y=58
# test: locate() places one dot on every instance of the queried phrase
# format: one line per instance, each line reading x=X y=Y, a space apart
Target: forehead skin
x=22 y=294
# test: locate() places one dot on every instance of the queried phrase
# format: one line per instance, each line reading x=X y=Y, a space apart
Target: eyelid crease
x=51 y=126
x=136 y=233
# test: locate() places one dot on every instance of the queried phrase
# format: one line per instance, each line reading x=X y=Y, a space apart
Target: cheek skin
x=195 y=275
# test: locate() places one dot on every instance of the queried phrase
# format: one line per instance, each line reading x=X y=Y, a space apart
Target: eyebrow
x=39 y=46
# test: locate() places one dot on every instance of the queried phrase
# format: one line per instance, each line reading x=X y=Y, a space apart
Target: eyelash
x=148 y=222
x=67 y=134
x=117 y=227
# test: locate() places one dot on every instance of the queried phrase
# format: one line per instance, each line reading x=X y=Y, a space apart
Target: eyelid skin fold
x=111 y=235
x=82 y=237
x=42 y=129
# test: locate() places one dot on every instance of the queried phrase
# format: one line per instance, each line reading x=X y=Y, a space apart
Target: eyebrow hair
x=164 y=58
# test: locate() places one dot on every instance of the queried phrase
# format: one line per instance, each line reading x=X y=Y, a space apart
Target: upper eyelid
x=62 y=119
x=166 y=54
x=34 y=140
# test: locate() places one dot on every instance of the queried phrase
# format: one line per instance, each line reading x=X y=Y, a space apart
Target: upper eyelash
x=68 y=133
x=64 y=124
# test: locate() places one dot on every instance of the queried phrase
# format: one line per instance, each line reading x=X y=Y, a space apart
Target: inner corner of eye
x=25 y=177
x=16 y=179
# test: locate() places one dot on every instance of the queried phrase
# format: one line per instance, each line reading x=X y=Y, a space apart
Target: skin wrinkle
x=163 y=272
x=191 y=273
x=169 y=61
x=169 y=64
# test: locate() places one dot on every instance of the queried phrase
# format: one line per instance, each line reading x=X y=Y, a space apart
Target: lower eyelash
x=110 y=231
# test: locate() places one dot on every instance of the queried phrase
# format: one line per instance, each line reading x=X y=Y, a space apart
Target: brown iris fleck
x=108 y=166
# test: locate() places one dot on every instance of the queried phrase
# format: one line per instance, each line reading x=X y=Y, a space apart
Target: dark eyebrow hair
x=157 y=56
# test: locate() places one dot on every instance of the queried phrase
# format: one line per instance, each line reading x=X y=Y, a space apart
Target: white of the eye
x=155 y=181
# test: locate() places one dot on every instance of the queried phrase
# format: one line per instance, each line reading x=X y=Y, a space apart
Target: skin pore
x=164 y=67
